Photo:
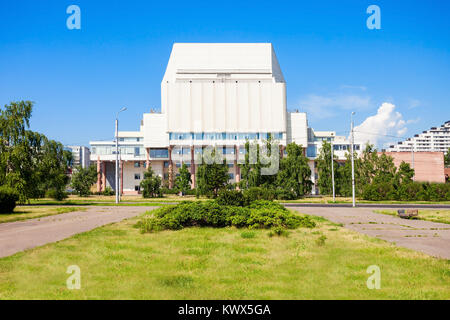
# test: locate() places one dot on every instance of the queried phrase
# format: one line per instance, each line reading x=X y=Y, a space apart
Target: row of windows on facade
x=135 y=151
x=311 y=151
x=137 y=164
x=224 y=136
x=158 y=153
x=137 y=176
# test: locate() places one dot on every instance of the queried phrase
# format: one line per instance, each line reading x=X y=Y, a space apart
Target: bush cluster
x=8 y=199
x=56 y=194
x=259 y=214
x=247 y=196
x=413 y=191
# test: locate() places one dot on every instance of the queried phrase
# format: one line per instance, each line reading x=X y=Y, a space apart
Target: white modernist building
x=437 y=139
x=220 y=94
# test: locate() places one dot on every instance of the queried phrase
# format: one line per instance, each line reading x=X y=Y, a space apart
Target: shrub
x=409 y=191
x=8 y=199
x=285 y=194
x=108 y=192
x=261 y=214
x=56 y=194
x=258 y=193
x=230 y=198
x=379 y=191
x=166 y=190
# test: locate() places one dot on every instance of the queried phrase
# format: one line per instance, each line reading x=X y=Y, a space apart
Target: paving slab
x=429 y=237
x=26 y=234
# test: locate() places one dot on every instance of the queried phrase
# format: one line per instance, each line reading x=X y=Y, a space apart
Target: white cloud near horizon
x=383 y=127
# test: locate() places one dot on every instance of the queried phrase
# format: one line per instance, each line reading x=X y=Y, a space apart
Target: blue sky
x=333 y=64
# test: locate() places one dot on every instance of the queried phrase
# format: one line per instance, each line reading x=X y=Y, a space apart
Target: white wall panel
x=226 y=107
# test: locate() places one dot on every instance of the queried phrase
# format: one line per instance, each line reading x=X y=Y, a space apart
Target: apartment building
x=436 y=139
x=80 y=156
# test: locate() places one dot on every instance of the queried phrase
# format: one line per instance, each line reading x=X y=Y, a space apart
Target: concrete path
x=23 y=235
x=429 y=237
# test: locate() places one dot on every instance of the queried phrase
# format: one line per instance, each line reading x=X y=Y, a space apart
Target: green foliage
x=83 y=179
x=419 y=191
x=278 y=231
x=447 y=158
x=231 y=198
x=8 y=199
x=151 y=184
x=108 y=191
x=211 y=176
x=56 y=194
x=210 y=213
x=29 y=162
x=258 y=193
x=183 y=181
x=324 y=182
x=251 y=172
x=294 y=175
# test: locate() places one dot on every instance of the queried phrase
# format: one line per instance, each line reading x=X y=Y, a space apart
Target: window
x=230 y=176
x=166 y=164
x=166 y=176
x=311 y=151
x=137 y=164
x=228 y=150
x=230 y=165
x=137 y=188
x=137 y=176
x=137 y=151
x=159 y=153
x=198 y=136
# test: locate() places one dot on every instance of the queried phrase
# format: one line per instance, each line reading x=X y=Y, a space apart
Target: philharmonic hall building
x=212 y=94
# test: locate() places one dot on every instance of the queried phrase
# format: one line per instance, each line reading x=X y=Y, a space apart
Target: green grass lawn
x=30 y=212
x=118 y=262
x=435 y=215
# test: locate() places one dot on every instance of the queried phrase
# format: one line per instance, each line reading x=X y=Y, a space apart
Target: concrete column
x=237 y=171
x=99 y=175
x=281 y=151
x=192 y=168
x=170 y=168
x=147 y=163
x=103 y=176
x=121 y=177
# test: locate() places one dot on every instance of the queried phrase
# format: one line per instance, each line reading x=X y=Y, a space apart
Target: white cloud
x=328 y=106
x=381 y=128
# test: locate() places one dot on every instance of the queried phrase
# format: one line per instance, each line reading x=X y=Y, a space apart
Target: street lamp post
x=332 y=171
x=117 y=155
x=353 y=161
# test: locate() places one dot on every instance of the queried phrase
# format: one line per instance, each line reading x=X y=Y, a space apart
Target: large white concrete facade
x=221 y=94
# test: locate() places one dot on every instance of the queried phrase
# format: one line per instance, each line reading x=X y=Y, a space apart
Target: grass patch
x=31 y=212
x=118 y=262
x=440 y=215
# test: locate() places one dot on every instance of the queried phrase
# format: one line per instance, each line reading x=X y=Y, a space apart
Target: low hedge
x=8 y=199
x=414 y=191
x=260 y=214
